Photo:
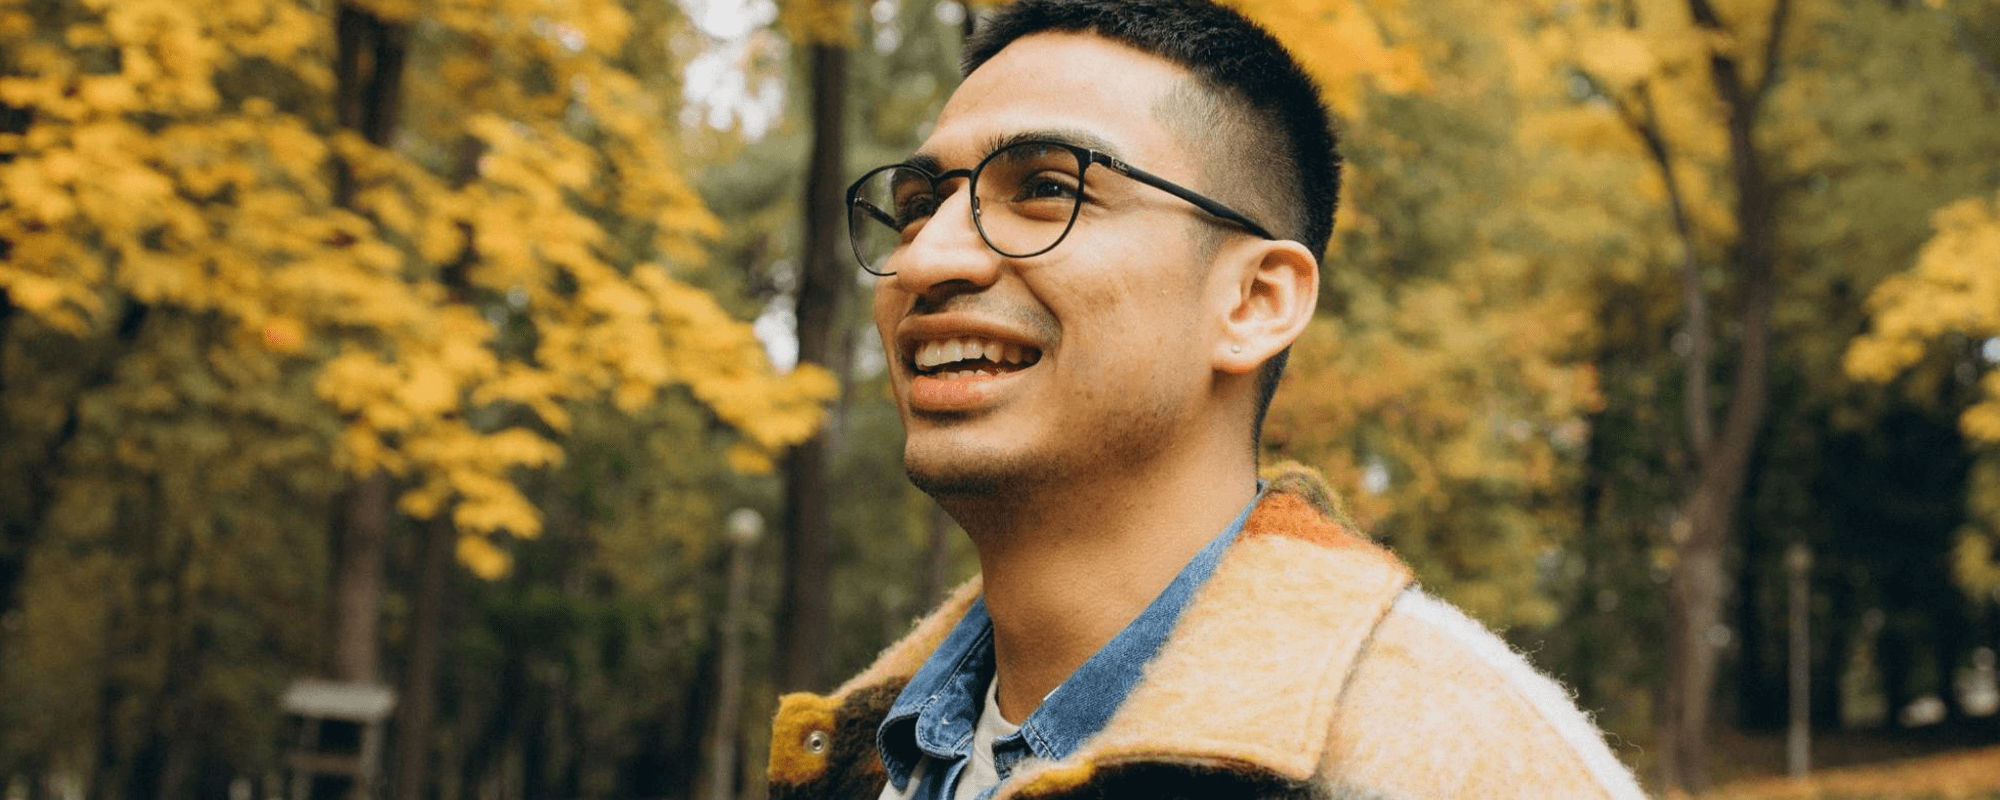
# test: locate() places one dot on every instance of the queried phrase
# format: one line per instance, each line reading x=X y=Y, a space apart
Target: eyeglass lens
x=1027 y=194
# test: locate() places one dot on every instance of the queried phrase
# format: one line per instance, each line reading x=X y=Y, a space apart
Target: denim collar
x=936 y=712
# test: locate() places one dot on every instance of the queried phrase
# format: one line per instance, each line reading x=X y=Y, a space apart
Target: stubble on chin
x=961 y=471
x=959 y=475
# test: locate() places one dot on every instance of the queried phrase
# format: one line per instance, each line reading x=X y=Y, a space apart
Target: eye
x=912 y=198
x=914 y=208
x=1047 y=185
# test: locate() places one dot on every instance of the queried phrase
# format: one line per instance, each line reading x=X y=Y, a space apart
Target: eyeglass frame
x=1085 y=157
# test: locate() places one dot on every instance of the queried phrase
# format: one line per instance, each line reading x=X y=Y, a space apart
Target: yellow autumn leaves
x=455 y=310
x=1351 y=47
x=1953 y=289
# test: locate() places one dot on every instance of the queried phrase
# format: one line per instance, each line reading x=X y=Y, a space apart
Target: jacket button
x=816 y=742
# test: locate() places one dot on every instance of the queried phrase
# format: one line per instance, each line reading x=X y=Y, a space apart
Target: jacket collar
x=1253 y=673
x=1248 y=681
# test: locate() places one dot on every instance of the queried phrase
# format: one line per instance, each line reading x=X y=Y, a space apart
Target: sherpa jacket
x=1308 y=666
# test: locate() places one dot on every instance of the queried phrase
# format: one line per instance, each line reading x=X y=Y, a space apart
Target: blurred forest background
x=467 y=347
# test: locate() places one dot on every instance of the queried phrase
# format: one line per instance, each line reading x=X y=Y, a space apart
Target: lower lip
x=958 y=394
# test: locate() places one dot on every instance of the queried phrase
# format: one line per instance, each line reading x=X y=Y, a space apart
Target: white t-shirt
x=979 y=774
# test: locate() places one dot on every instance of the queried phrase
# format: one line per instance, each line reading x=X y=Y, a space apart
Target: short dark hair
x=1283 y=168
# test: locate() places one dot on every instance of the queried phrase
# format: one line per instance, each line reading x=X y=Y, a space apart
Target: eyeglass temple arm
x=873 y=211
x=1203 y=203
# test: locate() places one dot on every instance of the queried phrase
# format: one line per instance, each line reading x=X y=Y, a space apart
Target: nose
x=947 y=256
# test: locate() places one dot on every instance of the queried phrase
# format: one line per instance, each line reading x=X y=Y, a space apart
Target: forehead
x=1068 y=82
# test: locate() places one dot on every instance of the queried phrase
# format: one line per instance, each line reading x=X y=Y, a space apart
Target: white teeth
x=944 y=351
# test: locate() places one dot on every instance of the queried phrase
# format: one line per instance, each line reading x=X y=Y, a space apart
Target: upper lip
x=916 y=330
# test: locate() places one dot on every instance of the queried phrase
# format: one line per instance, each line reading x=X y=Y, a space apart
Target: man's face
x=1078 y=363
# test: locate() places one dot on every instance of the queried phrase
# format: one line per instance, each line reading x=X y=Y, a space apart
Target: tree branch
x=1641 y=122
x=1781 y=12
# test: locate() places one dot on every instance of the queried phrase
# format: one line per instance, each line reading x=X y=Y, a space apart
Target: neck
x=1068 y=568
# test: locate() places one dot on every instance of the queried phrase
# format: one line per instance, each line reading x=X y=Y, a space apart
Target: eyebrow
x=1070 y=136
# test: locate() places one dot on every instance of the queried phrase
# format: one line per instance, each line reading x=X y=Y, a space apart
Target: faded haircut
x=1253 y=114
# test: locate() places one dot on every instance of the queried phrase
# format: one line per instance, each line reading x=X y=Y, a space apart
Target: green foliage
x=182 y=547
x=1496 y=380
x=1446 y=386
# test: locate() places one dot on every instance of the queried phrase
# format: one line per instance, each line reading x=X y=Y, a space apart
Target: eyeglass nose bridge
x=941 y=251
x=971 y=177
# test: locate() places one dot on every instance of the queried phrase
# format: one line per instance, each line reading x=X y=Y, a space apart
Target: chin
x=956 y=486
x=969 y=476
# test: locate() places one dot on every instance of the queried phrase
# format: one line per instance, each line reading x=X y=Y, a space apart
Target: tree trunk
x=34 y=774
x=1830 y=657
x=1762 y=663
x=719 y=747
x=1701 y=533
x=486 y=753
x=531 y=746
x=1895 y=661
x=362 y=545
x=697 y=706
x=154 y=769
x=368 y=74
x=418 y=709
x=1798 y=660
x=825 y=280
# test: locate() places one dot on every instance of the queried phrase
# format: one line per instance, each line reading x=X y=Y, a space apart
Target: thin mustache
x=1038 y=320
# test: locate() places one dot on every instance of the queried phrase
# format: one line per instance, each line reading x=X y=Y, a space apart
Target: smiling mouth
x=971 y=357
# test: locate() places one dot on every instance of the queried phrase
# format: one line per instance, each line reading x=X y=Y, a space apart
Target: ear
x=1269 y=290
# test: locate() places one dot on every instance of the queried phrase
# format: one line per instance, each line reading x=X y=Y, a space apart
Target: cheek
x=886 y=306
x=1138 y=338
x=1135 y=293
x=1156 y=305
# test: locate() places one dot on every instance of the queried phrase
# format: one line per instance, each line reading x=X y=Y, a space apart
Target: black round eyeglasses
x=1025 y=199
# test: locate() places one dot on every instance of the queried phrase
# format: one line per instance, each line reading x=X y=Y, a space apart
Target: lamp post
x=1798 y=739
x=744 y=527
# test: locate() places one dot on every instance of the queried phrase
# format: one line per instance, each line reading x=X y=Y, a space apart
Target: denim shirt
x=935 y=714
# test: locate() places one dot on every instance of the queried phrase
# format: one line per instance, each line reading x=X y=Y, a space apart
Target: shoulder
x=1437 y=705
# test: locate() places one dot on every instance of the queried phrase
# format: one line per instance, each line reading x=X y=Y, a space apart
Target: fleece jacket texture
x=1308 y=666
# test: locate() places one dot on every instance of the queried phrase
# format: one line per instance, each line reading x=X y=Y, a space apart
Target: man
x=1092 y=270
